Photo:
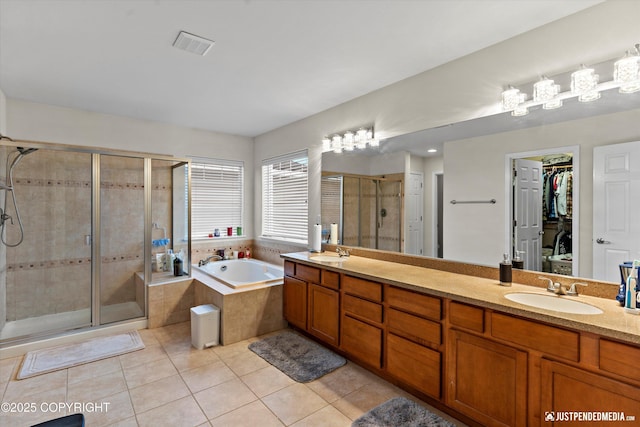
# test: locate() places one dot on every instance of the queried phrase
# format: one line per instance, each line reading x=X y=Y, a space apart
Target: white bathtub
x=241 y=273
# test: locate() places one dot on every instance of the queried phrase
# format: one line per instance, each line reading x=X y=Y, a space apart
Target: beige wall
x=47 y=123
x=475 y=169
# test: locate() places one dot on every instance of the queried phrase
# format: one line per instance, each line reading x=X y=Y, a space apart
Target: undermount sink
x=328 y=258
x=553 y=302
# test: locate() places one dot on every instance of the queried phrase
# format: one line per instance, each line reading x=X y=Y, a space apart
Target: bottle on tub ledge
x=247 y=253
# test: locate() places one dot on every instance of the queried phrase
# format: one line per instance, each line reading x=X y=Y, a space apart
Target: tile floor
x=170 y=383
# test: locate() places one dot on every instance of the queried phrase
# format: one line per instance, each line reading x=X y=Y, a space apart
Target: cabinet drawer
x=621 y=359
x=414 y=365
x=362 y=288
x=362 y=308
x=290 y=268
x=547 y=339
x=330 y=279
x=413 y=327
x=414 y=302
x=466 y=316
x=309 y=274
x=362 y=340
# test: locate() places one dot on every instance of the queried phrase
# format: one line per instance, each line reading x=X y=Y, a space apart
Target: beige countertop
x=614 y=322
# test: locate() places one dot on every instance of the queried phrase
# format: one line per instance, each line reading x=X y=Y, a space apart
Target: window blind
x=284 y=197
x=216 y=196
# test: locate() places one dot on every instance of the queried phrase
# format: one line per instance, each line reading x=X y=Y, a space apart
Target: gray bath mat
x=65 y=356
x=300 y=358
x=400 y=412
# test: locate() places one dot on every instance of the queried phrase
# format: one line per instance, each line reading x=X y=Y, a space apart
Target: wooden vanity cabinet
x=413 y=339
x=495 y=368
x=569 y=389
x=295 y=301
x=312 y=300
x=486 y=380
x=361 y=320
x=324 y=310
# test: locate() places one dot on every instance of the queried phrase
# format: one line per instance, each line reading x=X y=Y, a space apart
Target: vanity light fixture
x=350 y=141
x=626 y=71
x=546 y=91
x=585 y=86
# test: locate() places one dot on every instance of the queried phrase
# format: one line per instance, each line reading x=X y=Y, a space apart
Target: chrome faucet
x=573 y=291
x=556 y=288
x=342 y=252
x=207 y=259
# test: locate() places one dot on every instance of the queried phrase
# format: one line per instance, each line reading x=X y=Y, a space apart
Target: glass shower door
x=45 y=254
x=122 y=207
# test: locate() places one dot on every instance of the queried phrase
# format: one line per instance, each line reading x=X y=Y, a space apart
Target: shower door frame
x=96 y=232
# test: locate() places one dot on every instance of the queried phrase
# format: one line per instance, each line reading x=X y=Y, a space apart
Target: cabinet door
x=486 y=381
x=414 y=364
x=295 y=302
x=567 y=390
x=324 y=313
x=362 y=340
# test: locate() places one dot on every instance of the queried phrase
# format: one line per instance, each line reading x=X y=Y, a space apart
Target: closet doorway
x=543 y=209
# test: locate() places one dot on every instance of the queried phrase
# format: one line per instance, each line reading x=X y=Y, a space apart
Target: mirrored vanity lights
x=350 y=141
x=585 y=86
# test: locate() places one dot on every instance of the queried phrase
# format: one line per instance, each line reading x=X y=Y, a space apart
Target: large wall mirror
x=461 y=202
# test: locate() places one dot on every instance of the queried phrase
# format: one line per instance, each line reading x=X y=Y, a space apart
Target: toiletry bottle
x=630 y=296
x=177 y=267
x=517 y=261
x=247 y=253
x=505 y=271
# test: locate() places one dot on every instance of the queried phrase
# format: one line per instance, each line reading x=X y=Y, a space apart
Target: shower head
x=25 y=151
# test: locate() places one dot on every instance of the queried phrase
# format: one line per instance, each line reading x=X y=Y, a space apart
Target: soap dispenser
x=518 y=262
x=505 y=271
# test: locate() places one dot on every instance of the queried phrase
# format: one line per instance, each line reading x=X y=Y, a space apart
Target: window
x=216 y=196
x=284 y=197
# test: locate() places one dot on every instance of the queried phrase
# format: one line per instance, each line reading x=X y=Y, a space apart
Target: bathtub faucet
x=207 y=259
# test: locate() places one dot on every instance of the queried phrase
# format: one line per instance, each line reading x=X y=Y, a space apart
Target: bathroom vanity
x=458 y=343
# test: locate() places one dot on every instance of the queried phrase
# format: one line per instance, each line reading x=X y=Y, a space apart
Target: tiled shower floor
x=169 y=383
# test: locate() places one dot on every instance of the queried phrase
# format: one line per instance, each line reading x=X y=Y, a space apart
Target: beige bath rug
x=65 y=356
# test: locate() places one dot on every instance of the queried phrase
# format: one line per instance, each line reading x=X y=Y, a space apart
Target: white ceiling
x=274 y=61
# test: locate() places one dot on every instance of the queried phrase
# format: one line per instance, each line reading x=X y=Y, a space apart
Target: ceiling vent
x=192 y=43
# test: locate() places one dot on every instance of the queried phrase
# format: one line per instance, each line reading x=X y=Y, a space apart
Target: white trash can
x=205 y=326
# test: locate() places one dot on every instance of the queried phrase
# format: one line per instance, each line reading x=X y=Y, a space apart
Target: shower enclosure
x=368 y=210
x=78 y=236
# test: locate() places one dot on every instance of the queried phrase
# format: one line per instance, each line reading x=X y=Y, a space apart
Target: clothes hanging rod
x=455 y=202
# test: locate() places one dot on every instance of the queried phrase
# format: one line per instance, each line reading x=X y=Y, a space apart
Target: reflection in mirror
x=543 y=210
x=472 y=156
x=366 y=209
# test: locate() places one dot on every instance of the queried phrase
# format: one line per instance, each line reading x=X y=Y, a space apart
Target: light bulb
x=626 y=71
x=584 y=83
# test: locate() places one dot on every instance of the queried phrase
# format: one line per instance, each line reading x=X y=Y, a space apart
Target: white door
x=528 y=212
x=414 y=215
x=616 y=208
